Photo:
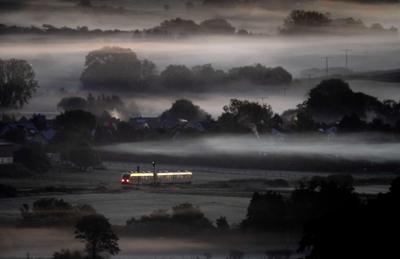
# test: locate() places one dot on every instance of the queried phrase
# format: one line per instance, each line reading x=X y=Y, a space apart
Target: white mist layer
x=351 y=147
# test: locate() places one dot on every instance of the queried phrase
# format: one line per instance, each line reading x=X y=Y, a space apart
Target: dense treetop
x=17 y=83
x=185 y=109
x=119 y=69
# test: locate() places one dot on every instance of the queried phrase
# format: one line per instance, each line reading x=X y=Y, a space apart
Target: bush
x=84 y=158
x=266 y=211
x=33 y=158
x=184 y=219
x=53 y=212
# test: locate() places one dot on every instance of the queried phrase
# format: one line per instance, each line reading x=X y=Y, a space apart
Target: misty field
x=286 y=113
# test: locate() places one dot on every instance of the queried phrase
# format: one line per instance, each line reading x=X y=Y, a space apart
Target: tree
x=111 y=67
x=266 y=211
x=185 y=109
x=83 y=157
x=17 y=83
x=53 y=212
x=242 y=116
x=189 y=215
x=332 y=99
x=222 y=223
x=39 y=121
x=300 y=21
x=177 y=77
x=347 y=227
x=217 y=26
x=73 y=103
x=303 y=121
x=76 y=120
x=205 y=75
x=33 y=158
x=259 y=74
x=351 y=123
x=148 y=69
x=96 y=231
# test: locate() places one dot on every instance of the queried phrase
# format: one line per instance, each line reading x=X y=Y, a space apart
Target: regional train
x=146 y=178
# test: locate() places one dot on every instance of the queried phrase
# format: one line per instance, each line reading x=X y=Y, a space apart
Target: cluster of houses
x=39 y=129
x=21 y=132
x=26 y=131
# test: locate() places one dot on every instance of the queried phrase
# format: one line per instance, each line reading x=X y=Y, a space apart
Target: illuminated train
x=145 y=178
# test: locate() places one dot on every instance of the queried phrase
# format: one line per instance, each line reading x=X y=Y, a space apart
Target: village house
x=6 y=153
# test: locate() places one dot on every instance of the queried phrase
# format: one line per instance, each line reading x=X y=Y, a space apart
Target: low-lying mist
x=352 y=147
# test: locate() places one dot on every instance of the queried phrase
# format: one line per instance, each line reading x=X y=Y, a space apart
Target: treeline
x=183 y=219
x=314 y=22
x=336 y=222
x=115 y=68
x=283 y=3
x=52 y=212
x=179 y=27
x=296 y=23
x=47 y=29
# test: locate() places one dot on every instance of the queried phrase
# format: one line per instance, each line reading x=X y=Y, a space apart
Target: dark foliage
x=33 y=158
x=261 y=75
x=76 y=120
x=351 y=123
x=48 y=29
x=184 y=219
x=314 y=22
x=222 y=224
x=119 y=69
x=17 y=83
x=185 y=109
x=265 y=212
x=355 y=231
x=246 y=116
x=217 y=26
x=182 y=27
x=333 y=99
x=96 y=106
x=177 y=77
x=95 y=230
x=52 y=212
x=83 y=157
x=115 y=68
x=311 y=200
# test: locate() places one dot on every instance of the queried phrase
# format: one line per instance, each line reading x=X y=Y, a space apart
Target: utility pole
x=154 y=173
x=326 y=65
x=346 y=52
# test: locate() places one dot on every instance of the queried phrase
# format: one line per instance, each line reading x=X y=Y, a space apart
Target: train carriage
x=145 y=178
